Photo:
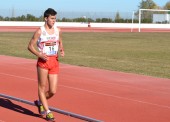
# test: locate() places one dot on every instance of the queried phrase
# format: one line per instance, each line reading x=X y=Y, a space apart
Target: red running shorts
x=52 y=64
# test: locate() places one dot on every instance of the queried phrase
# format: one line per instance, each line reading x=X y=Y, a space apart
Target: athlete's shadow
x=9 y=105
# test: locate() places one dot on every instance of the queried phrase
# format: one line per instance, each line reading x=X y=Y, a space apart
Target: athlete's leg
x=42 y=81
x=52 y=79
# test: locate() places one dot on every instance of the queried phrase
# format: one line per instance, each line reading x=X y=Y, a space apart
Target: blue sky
x=77 y=5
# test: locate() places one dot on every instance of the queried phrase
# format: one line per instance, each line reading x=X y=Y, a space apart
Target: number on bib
x=50 y=48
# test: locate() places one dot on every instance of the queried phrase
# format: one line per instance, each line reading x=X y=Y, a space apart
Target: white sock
x=48 y=111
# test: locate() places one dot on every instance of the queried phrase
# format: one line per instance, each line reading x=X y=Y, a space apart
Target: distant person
x=49 y=43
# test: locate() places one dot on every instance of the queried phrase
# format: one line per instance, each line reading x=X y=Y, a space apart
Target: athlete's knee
x=52 y=92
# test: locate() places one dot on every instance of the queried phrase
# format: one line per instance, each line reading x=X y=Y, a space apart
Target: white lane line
x=18 y=76
x=109 y=84
x=139 y=101
x=98 y=93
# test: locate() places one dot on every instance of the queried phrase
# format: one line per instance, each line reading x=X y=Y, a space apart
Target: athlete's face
x=50 y=20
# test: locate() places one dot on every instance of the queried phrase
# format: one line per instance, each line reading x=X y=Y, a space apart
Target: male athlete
x=49 y=43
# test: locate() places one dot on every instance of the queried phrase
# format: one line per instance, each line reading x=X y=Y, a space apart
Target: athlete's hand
x=43 y=56
x=62 y=53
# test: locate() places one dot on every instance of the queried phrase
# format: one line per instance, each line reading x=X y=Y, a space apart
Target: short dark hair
x=49 y=12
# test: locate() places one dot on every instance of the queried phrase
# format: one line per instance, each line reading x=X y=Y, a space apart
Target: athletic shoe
x=50 y=117
x=40 y=107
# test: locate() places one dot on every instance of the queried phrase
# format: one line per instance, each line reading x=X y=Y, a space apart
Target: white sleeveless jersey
x=48 y=43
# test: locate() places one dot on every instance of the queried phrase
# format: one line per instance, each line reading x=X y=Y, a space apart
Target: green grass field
x=140 y=53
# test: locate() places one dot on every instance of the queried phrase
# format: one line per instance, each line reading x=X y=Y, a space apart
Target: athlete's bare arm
x=61 y=44
x=31 y=45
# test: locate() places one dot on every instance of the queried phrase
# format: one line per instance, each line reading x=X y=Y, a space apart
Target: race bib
x=50 y=48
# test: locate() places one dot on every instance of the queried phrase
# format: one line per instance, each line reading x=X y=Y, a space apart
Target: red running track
x=105 y=95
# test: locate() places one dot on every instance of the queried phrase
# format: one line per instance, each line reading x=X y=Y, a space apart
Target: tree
x=1 y=18
x=90 y=20
x=117 y=17
x=31 y=17
x=98 y=20
x=106 y=20
x=167 y=6
x=147 y=4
